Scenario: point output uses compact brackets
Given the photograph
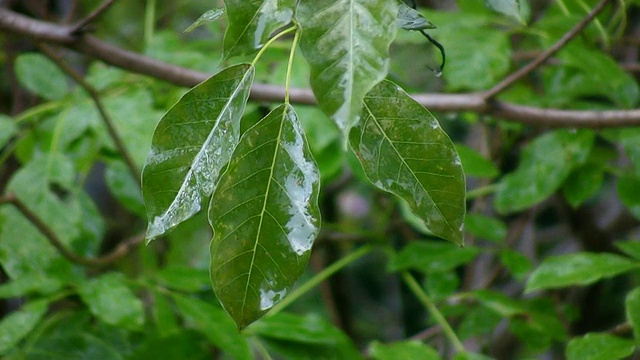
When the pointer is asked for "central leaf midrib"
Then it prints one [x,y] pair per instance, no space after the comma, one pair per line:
[263,211]
[384,134]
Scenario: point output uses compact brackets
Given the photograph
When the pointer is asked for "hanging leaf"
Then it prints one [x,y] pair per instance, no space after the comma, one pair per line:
[509,8]
[404,151]
[411,19]
[207,17]
[265,217]
[346,43]
[191,145]
[251,23]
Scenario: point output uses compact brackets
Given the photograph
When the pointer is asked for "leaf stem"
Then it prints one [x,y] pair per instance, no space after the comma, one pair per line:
[149,20]
[440,319]
[320,277]
[271,41]
[287,82]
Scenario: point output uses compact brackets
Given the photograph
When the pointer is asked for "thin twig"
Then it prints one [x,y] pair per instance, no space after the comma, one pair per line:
[82,24]
[513,78]
[121,250]
[95,96]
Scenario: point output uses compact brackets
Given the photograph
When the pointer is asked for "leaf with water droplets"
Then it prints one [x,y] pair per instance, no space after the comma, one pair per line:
[265,217]
[346,43]
[191,145]
[404,151]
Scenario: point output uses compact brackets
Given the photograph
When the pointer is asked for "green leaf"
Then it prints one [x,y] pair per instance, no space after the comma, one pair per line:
[409,349]
[110,299]
[215,324]
[29,283]
[475,164]
[545,164]
[8,129]
[207,17]
[517,264]
[124,187]
[177,345]
[629,192]
[485,227]
[346,43]
[631,248]
[404,151]
[41,76]
[478,321]
[632,305]
[441,284]
[164,315]
[265,217]
[73,346]
[583,183]
[411,19]
[184,278]
[432,256]
[595,346]
[15,326]
[510,8]
[251,23]
[191,145]
[577,269]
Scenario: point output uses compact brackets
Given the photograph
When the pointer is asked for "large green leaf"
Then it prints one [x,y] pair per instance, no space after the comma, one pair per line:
[594,346]
[577,269]
[346,43]
[251,23]
[546,163]
[265,217]
[404,151]
[191,145]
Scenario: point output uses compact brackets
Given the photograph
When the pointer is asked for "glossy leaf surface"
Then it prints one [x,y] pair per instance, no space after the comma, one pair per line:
[251,23]
[403,150]
[208,16]
[596,346]
[346,43]
[507,7]
[265,217]
[191,145]
[577,269]
[411,19]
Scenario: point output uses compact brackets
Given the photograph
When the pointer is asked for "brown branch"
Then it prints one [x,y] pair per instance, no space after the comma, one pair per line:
[474,102]
[121,250]
[564,40]
[95,96]
[82,24]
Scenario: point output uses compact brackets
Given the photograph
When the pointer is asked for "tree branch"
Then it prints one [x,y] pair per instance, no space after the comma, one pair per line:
[121,250]
[474,102]
[82,24]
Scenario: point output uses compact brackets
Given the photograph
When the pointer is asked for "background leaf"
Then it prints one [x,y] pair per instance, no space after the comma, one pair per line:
[346,43]
[18,324]
[191,145]
[510,8]
[8,128]
[599,347]
[41,76]
[402,350]
[251,23]
[265,217]
[432,256]
[632,305]
[577,269]
[404,151]
[629,192]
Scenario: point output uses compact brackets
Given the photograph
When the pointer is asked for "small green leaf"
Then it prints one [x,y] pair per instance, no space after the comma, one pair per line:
[404,151]
[29,283]
[191,145]
[432,256]
[265,217]
[632,305]
[631,248]
[73,345]
[110,299]
[409,349]
[215,324]
[629,192]
[485,227]
[596,346]
[164,315]
[475,164]
[41,76]
[251,23]
[177,345]
[411,19]
[582,183]
[517,264]
[15,326]
[478,321]
[545,164]
[124,187]
[184,278]
[510,8]
[346,43]
[8,129]
[207,17]
[577,269]
[441,284]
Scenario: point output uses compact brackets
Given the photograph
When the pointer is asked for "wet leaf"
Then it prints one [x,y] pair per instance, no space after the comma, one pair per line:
[191,145]
[410,349]
[15,326]
[411,19]
[346,43]
[265,217]
[577,269]
[404,151]
[208,16]
[594,346]
[110,299]
[251,23]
